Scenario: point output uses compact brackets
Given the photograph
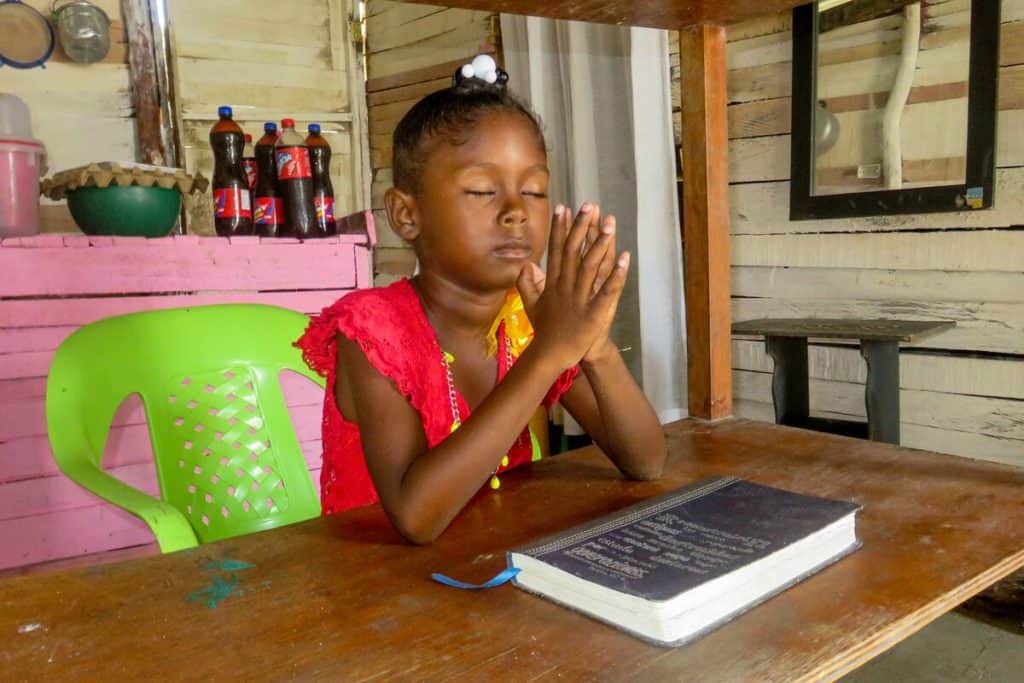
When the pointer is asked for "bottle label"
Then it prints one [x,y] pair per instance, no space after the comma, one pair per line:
[324,209]
[232,202]
[268,211]
[252,172]
[293,163]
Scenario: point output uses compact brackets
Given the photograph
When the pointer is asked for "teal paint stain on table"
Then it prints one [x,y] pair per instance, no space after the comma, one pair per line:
[228,565]
[221,587]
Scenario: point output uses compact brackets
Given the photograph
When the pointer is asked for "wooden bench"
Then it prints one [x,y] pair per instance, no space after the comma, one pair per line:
[786,342]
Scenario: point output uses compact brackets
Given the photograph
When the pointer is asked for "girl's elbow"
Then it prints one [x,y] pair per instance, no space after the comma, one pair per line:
[647,471]
[650,467]
[415,530]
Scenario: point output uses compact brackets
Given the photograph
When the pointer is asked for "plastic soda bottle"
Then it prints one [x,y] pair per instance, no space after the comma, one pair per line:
[232,207]
[295,181]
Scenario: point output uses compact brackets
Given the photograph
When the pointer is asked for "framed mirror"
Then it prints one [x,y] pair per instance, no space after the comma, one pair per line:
[894,107]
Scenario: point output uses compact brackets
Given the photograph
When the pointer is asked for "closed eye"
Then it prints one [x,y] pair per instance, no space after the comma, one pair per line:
[540,195]
[480,193]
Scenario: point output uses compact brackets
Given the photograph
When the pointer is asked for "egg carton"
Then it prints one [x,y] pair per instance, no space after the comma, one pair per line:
[122,174]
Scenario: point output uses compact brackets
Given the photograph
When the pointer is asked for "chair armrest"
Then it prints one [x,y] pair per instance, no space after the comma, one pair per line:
[171,528]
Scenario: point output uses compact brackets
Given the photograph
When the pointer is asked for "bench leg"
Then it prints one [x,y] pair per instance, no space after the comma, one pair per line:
[882,393]
[789,380]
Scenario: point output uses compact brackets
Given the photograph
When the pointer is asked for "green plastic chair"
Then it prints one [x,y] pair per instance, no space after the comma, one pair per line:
[227,459]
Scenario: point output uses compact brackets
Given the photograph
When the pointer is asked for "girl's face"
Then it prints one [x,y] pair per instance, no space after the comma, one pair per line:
[483,209]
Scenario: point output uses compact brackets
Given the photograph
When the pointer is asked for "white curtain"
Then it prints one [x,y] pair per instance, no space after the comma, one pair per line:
[603,94]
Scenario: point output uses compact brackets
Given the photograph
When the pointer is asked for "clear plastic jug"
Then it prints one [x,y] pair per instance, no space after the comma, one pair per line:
[14,118]
[22,162]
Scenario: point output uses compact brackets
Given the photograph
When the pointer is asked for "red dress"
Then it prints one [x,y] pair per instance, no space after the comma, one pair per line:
[391,328]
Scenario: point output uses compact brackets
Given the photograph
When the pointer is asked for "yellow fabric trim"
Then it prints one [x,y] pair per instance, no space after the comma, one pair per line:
[517,326]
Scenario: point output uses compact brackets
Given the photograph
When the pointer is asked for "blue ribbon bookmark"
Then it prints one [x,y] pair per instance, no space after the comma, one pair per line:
[502,578]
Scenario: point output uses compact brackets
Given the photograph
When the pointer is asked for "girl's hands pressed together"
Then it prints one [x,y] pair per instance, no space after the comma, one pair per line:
[572,307]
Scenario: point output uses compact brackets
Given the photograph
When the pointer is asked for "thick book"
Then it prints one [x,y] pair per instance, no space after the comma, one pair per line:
[671,568]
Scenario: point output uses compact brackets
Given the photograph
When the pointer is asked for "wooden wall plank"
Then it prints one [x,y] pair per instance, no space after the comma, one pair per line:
[35,497]
[30,457]
[877,284]
[766,157]
[17,389]
[990,250]
[998,418]
[967,444]
[763,208]
[26,416]
[919,370]
[398,30]
[149,121]
[70,532]
[171,268]
[77,531]
[30,313]
[462,43]
[980,326]
[13,340]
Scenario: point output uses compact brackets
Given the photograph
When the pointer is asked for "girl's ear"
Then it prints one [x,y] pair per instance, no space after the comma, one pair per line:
[402,213]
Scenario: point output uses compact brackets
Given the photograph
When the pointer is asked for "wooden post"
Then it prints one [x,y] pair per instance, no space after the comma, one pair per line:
[705,216]
[145,93]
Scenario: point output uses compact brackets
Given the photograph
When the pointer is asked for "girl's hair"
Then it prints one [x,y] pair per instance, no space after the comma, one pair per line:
[448,115]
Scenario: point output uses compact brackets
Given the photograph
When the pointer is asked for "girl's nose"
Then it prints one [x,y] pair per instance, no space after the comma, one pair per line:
[513,213]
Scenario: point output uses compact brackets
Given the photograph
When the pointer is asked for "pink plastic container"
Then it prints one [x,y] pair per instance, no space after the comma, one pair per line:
[21,164]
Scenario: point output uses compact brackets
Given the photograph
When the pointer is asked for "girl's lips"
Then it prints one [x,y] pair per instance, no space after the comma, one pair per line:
[509,251]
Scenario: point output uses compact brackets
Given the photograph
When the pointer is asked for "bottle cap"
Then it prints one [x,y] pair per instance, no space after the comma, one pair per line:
[224,111]
[248,138]
[287,123]
[269,127]
[314,128]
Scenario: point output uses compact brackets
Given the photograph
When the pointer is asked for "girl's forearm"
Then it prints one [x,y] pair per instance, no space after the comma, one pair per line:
[438,484]
[631,434]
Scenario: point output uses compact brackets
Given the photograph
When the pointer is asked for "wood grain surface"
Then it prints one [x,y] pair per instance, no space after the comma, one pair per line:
[343,598]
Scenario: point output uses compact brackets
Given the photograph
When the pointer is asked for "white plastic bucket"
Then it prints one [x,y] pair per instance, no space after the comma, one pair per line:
[21,165]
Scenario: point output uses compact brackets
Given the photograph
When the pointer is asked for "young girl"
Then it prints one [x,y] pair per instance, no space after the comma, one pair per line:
[431,381]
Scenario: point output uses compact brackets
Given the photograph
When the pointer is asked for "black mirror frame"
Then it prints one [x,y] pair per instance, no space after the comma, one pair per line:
[982,94]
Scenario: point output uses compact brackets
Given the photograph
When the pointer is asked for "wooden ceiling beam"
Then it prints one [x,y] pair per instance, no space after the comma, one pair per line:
[667,15]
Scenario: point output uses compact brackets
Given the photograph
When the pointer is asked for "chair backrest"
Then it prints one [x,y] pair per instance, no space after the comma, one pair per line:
[225,450]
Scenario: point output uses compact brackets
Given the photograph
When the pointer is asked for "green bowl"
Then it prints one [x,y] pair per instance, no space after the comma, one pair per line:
[133,211]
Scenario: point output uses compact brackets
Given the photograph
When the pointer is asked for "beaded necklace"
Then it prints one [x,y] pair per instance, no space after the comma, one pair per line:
[446,360]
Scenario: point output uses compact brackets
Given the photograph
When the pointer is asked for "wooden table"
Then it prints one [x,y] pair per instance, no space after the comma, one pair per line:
[785,340]
[343,598]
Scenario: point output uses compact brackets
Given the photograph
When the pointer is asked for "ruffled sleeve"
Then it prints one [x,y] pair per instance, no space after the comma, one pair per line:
[318,343]
[390,328]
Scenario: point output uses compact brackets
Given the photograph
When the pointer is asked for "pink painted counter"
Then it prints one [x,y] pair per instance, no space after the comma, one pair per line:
[51,284]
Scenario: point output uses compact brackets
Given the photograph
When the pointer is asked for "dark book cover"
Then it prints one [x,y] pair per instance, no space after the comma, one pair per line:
[670,544]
